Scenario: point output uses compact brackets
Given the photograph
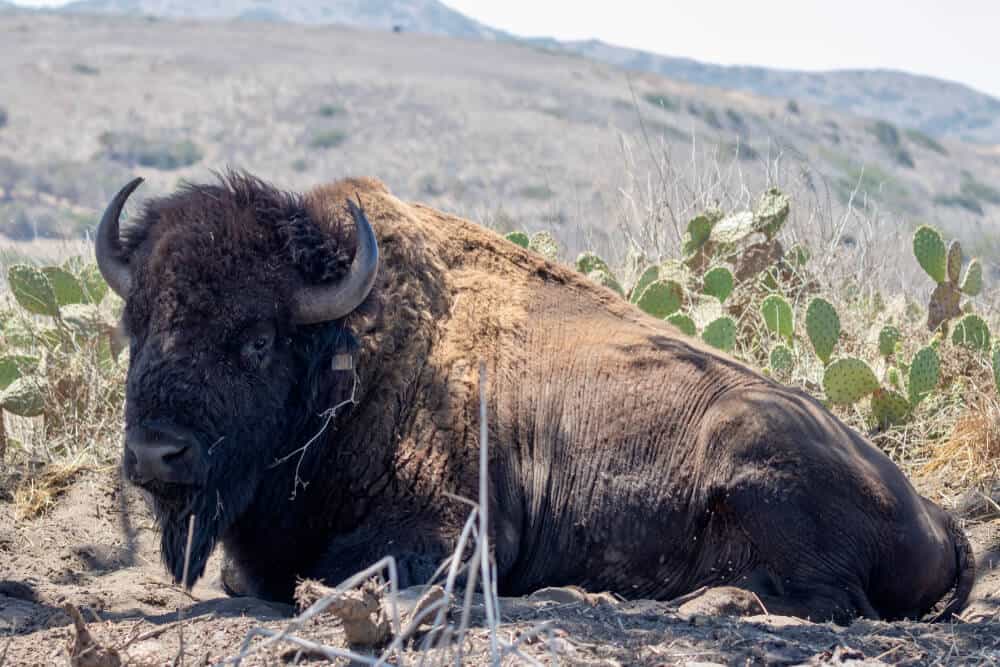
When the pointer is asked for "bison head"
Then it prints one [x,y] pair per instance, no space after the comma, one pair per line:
[234,301]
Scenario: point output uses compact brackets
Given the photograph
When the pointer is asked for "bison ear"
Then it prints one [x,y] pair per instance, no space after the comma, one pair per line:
[320,256]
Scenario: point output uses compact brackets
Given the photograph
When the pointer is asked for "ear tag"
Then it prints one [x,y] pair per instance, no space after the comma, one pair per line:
[342,362]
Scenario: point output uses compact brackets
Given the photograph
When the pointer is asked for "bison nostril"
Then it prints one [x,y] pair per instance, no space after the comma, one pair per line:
[160,453]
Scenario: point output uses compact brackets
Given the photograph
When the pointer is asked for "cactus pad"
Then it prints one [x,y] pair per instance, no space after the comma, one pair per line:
[954,261]
[32,290]
[928,246]
[771,213]
[519,238]
[733,228]
[699,230]
[684,323]
[972,332]
[782,361]
[648,276]
[545,245]
[65,285]
[887,339]
[823,328]
[943,306]
[589,261]
[661,298]
[889,408]
[996,366]
[778,316]
[606,279]
[973,282]
[721,334]
[25,396]
[13,366]
[925,369]
[893,377]
[848,380]
[719,283]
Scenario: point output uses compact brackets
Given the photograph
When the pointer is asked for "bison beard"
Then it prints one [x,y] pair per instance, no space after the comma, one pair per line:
[652,465]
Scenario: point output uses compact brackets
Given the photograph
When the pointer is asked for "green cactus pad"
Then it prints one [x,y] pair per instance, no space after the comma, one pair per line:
[719,283]
[973,282]
[84,320]
[887,339]
[771,213]
[13,366]
[944,305]
[721,334]
[822,327]
[606,279]
[848,380]
[520,238]
[781,360]
[925,370]
[972,332]
[893,377]
[647,277]
[699,230]
[545,245]
[65,285]
[889,408]
[32,290]
[778,316]
[589,261]
[25,396]
[661,298]
[798,255]
[733,228]
[684,323]
[928,246]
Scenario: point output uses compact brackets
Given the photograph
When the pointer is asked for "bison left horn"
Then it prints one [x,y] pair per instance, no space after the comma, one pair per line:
[108,246]
[312,305]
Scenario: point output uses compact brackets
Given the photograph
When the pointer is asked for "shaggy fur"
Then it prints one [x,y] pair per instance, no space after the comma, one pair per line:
[625,456]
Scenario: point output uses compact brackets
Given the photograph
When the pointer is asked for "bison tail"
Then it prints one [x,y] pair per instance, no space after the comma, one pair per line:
[964,578]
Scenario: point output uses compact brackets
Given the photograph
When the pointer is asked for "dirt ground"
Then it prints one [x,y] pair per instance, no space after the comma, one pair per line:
[88,552]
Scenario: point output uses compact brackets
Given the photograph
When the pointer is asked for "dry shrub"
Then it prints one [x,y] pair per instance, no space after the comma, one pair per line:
[36,493]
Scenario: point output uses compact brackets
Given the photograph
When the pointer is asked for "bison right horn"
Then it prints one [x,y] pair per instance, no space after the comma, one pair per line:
[312,305]
[115,270]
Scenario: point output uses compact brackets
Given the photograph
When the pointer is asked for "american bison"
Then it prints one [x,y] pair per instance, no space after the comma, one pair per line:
[624,455]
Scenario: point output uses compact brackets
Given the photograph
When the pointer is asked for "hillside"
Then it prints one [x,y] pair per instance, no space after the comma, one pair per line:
[934,106]
[509,134]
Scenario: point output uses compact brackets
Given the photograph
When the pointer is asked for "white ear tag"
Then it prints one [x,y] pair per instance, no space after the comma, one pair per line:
[342,362]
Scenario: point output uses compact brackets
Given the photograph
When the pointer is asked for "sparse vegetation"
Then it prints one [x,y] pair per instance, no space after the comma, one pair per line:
[926,141]
[540,191]
[330,110]
[166,154]
[3,117]
[662,101]
[889,137]
[85,69]
[327,139]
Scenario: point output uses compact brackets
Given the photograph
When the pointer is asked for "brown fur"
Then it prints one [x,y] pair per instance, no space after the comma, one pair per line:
[624,455]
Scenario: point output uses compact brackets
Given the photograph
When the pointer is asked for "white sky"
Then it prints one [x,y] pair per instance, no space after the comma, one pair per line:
[951,39]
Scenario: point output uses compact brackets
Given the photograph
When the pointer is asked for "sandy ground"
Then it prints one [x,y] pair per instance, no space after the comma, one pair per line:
[88,552]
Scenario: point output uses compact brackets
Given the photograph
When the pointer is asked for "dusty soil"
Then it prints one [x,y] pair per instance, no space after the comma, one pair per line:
[87,551]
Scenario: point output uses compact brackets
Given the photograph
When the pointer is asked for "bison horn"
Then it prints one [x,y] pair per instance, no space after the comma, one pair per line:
[312,305]
[108,247]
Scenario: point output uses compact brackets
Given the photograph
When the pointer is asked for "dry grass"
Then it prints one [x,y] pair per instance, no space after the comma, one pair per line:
[37,492]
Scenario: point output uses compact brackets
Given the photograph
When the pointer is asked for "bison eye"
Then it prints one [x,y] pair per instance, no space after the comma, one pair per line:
[257,344]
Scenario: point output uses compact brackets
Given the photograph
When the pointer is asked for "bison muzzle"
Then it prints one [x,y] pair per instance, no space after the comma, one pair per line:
[302,381]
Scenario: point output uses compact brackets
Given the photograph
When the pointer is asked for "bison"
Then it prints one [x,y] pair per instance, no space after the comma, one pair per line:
[303,382]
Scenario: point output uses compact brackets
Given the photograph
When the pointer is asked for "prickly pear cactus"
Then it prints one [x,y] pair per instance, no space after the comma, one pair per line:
[781,360]
[684,323]
[893,377]
[848,380]
[719,283]
[545,245]
[65,285]
[661,298]
[771,213]
[647,277]
[778,316]
[699,230]
[32,290]
[945,304]
[13,366]
[973,282]
[733,228]
[888,337]
[972,332]
[25,396]
[590,261]
[822,327]
[996,366]
[520,238]
[606,279]
[925,370]
[930,251]
[721,334]
[889,408]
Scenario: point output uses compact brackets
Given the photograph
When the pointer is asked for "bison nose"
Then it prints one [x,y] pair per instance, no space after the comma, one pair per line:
[160,453]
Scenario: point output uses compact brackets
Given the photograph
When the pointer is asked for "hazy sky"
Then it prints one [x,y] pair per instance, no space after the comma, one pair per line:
[952,39]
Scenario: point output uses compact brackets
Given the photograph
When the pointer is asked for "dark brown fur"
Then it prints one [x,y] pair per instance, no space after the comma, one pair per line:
[624,456]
